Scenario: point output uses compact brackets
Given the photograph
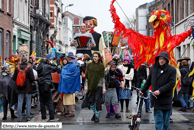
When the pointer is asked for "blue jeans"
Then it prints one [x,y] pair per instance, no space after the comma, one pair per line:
[147,101]
[183,99]
[162,119]
[28,105]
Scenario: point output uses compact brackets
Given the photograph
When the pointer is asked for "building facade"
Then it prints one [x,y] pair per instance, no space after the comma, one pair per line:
[71,24]
[142,19]
[56,28]
[39,26]
[6,28]
[21,24]
[181,10]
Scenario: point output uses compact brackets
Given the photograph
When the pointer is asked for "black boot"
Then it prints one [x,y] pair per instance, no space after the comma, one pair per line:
[4,118]
[117,116]
[107,115]
[92,119]
[96,119]
[14,116]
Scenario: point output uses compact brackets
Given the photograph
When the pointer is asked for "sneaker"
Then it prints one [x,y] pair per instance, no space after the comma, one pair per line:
[28,119]
[96,119]
[4,118]
[183,109]
[45,119]
[93,117]
[70,115]
[55,119]
[107,115]
[117,116]
[149,111]
[31,113]
[19,120]
[59,113]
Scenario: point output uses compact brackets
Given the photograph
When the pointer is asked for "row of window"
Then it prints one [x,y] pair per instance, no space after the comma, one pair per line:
[186,8]
[23,10]
[7,42]
[8,4]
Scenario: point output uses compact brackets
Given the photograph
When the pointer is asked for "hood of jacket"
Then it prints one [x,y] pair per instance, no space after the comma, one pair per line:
[162,54]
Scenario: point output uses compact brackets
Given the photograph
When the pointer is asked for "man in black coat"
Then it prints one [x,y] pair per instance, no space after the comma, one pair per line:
[45,84]
[162,77]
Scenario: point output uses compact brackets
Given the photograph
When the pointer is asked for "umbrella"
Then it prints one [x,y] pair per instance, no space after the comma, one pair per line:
[52,56]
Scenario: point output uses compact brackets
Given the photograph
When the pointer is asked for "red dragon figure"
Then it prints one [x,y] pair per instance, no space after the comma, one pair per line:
[145,49]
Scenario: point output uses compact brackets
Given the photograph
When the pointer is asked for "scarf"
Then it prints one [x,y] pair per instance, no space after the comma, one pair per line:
[128,71]
[94,73]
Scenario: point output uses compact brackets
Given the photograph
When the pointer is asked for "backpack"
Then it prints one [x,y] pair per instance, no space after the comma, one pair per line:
[187,80]
[21,77]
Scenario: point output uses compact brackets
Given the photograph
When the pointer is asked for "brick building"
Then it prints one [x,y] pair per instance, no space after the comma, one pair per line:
[6,28]
[77,20]
[56,28]
[181,10]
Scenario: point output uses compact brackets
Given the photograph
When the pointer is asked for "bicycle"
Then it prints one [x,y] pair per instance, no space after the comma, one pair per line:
[136,119]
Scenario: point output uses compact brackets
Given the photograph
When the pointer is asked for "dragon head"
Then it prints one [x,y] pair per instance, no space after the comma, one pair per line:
[159,18]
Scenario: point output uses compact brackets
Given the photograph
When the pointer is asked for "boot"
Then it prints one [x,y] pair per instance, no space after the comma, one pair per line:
[93,117]
[96,119]
[107,115]
[121,109]
[127,110]
[117,116]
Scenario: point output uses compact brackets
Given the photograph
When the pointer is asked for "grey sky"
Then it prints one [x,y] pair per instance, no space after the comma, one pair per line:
[100,10]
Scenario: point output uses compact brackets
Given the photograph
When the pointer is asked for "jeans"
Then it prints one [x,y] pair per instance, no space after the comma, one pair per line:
[28,105]
[162,119]
[147,101]
[183,99]
[46,99]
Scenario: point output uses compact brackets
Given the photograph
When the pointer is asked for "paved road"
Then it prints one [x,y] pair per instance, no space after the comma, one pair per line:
[181,120]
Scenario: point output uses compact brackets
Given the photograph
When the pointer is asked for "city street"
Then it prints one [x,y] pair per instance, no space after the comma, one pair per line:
[181,120]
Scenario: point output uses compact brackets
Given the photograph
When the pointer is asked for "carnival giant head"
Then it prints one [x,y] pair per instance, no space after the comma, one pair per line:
[90,22]
[159,18]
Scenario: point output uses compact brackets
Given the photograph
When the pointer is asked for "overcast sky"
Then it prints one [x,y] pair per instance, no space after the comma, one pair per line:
[100,10]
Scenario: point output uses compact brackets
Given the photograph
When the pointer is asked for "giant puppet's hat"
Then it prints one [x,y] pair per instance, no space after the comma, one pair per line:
[90,18]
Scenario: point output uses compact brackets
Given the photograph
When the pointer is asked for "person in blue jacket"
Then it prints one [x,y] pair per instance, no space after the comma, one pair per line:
[69,83]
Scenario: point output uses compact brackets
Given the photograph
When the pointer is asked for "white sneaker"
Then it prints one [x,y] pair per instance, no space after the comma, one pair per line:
[55,119]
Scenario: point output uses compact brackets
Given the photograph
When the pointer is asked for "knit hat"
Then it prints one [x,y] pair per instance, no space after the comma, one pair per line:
[127,59]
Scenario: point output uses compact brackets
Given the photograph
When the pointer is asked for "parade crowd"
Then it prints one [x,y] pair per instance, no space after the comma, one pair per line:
[110,85]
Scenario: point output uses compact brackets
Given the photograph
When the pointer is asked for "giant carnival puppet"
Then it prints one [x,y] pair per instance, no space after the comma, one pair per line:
[91,23]
[83,41]
[145,49]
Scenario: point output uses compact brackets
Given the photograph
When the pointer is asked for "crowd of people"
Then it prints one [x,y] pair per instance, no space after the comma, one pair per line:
[99,83]
[113,84]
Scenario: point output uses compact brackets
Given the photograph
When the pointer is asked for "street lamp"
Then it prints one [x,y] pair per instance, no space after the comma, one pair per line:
[68,6]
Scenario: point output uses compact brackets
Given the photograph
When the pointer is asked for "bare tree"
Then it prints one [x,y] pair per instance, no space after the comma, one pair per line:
[130,23]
